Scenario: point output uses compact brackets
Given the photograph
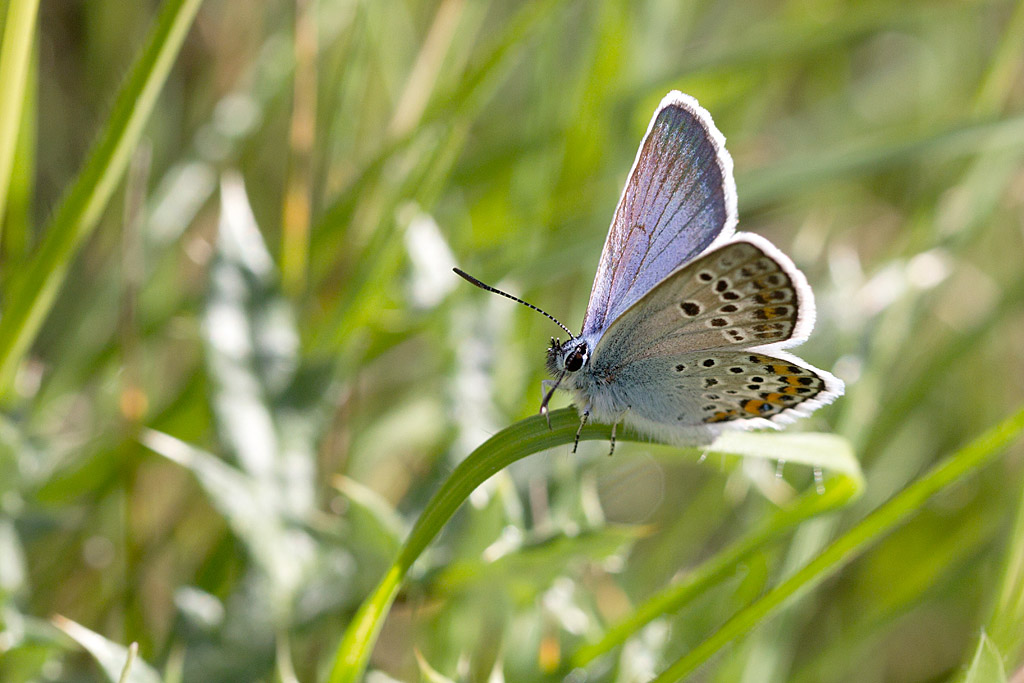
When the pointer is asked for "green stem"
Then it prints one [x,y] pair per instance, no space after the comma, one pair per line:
[838,491]
[1003,627]
[15,53]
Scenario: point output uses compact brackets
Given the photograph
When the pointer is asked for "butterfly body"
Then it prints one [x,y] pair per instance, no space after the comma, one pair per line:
[687,320]
[613,395]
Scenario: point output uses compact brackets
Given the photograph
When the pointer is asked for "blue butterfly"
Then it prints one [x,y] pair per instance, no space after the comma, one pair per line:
[687,320]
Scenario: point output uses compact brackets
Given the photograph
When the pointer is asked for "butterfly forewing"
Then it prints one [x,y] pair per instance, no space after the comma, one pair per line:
[680,197]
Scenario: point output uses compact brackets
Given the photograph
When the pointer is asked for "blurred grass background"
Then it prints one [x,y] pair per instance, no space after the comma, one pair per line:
[259,366]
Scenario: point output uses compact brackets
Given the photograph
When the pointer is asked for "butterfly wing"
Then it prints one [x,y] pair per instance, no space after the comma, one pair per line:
[679,198]
[703,345]
[678,397]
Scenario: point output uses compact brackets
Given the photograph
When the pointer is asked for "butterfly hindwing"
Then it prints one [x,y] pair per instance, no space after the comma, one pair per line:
[679,198]
[708,390]
[749,386]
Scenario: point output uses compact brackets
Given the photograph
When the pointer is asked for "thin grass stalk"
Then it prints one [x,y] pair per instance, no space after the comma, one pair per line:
[1003,627]
[15,59]
[838,492]
[302,138]
[853,543]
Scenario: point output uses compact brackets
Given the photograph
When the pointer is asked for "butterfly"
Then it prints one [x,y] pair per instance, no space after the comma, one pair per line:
[687,323]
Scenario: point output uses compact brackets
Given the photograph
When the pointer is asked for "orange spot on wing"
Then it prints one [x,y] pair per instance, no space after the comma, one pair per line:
[753,406]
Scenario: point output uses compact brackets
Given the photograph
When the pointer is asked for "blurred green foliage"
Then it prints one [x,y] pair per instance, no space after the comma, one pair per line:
[257,367]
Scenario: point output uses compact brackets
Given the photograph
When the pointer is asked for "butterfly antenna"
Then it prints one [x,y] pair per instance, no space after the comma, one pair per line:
[472,280]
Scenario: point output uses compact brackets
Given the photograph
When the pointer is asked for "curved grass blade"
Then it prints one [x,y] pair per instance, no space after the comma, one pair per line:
[34,289]
[511,444]
[846,548]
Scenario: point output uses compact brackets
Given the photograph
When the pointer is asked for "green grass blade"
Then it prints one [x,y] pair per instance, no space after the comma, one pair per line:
[838,492]
[34,290]
[821,450]
[133,652]
[849,546]
[13,564]
[16,216]
[15,58]
[511,444]
[987,664]
[1004,625]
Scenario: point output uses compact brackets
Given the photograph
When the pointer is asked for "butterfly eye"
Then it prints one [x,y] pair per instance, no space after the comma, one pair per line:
[575,360]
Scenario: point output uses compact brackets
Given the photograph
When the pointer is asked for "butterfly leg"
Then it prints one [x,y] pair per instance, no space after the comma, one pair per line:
[615,425]
[547,388]
[583,421]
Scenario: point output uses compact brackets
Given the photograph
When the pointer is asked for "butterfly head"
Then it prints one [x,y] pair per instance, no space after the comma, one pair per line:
[568,357]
